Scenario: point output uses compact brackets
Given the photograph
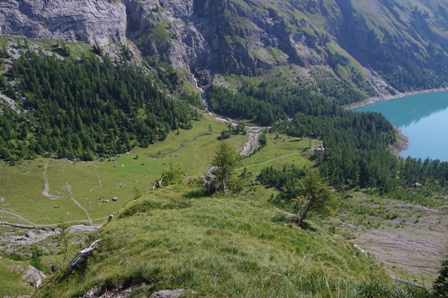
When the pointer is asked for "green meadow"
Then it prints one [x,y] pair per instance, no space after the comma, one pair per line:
[280,150]
[78,189]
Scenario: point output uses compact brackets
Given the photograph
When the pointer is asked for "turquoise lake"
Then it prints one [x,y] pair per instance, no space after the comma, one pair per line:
[423,118]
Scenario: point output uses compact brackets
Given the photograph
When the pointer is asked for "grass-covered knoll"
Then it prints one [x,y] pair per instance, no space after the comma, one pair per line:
[280,150]
[221,247]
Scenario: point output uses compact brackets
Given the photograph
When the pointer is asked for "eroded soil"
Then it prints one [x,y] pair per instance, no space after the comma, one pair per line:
[408,240]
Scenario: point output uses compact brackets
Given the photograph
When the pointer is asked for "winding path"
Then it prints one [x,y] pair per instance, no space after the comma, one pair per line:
[16,215]
[99,181]
[39,226]
[69,190]
[181,145]
[47,186]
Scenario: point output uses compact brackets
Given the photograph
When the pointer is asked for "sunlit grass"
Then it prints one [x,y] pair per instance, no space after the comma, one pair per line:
[280,150]
[90,183]
[219,247]
[11,273]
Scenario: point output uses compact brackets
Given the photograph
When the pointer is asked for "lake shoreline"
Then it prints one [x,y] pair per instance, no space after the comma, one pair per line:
[372,100]
[401,144]
[402,141]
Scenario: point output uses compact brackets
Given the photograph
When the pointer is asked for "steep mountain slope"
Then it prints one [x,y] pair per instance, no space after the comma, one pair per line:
[85,20]
[403,43]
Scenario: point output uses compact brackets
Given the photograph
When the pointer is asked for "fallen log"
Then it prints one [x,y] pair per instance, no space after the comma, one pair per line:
[81,256]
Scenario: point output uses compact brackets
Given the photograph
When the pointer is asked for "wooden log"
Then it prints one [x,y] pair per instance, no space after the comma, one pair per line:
[81,256]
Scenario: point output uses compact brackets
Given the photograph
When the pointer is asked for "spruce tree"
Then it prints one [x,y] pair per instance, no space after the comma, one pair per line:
[224,162]
[440,286]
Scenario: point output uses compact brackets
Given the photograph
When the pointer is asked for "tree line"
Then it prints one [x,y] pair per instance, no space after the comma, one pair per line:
[84,107]
[266,105]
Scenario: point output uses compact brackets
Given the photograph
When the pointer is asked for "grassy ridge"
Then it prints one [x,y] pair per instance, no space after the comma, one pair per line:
[218,247]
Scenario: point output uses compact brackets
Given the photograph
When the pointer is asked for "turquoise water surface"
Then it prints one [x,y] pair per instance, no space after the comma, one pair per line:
[423,118]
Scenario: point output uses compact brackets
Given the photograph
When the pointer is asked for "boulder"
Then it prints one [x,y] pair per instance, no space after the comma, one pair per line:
[33,277]
[30,235]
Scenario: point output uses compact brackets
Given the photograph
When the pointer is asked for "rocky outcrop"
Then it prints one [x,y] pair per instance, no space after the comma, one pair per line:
[90,21]
[33,277]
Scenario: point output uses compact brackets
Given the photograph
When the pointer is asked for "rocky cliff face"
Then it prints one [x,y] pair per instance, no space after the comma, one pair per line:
[90,21]
[241,37]
[200,36]
[168,31]
[249,37]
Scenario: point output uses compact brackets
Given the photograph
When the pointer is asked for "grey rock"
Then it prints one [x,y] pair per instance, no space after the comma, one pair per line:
[31,235]
[33,276]
[167,293]
[89,21]
[191,42]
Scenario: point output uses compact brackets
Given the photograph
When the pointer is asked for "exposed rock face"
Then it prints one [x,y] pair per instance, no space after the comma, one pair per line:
[180,42]
[219,36]
[252,36]
[188,34]
[89,21]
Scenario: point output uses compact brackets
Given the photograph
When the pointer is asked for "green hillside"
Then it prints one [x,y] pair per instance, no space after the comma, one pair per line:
[222,247]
